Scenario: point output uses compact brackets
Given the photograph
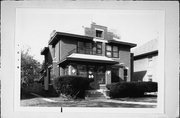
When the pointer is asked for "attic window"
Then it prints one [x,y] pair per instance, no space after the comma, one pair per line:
[99,33]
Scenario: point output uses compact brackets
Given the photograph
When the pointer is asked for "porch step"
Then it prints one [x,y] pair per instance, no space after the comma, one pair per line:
[95,94]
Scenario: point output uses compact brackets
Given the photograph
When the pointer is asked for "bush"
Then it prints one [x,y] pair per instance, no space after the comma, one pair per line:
[131,89]
[73,86]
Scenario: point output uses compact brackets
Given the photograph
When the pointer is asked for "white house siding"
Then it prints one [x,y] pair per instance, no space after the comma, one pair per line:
[142,68]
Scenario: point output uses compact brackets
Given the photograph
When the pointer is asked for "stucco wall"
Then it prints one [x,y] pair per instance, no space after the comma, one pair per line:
[66,45]
[142,69]
[124,57]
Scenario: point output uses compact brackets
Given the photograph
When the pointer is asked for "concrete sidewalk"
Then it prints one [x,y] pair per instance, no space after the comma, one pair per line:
[101,100]
[126,102]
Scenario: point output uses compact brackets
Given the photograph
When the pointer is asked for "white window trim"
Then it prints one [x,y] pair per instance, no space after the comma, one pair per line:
[99,40]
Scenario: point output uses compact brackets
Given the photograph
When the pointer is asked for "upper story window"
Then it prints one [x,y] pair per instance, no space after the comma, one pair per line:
[108,51]
[99,33]
[112,51]
[115,52]
[84,47]
[99,48]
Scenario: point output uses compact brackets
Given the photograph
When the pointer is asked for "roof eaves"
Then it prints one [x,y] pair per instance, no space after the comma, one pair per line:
[53,40]
[44,50]
[122,43]
[139,56]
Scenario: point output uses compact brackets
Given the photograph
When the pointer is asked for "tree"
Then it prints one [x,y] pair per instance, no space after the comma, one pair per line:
[30,68]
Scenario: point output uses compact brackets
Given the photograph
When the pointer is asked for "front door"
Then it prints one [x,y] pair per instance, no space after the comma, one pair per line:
[92,75]
[97,73]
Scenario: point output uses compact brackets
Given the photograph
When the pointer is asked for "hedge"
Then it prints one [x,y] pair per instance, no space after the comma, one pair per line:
[131,89]
[72,86]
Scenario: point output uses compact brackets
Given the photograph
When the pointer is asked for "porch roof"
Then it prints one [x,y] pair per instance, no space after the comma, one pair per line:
[88,58]
[131,45]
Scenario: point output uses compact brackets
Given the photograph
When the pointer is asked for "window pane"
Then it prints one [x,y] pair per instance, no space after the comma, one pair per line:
[108,54]
[94,50]
[99,45]
[82,70]
[108,47]
[80,47]
[99,33]
[99,48]
[115,54]
[88,45]
[80,44]
[99,51]
[115,48]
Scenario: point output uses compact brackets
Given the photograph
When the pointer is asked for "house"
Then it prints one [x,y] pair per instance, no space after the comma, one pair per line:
[98,54]
[145,61]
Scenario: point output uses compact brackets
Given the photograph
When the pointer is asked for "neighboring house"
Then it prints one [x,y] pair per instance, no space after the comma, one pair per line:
[97,55]
[145,61]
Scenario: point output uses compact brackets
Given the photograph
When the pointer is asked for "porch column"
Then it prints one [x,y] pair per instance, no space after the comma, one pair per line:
[69,70]
[72,70]
[108,75]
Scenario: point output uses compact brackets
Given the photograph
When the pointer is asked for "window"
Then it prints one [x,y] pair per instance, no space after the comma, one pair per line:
[80,47]
[99,48]
[108,51]
[84,48]
[94,48]
[115,52]
[88,47]
[82,70]
[99,33]
[112,51]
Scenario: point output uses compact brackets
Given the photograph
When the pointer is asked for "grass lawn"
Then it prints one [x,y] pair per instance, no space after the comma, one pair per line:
[63,102]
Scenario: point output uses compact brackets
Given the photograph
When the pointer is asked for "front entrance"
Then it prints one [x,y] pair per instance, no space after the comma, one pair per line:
[97,73]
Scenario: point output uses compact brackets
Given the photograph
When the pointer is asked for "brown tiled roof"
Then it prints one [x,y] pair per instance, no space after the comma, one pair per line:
[148,47]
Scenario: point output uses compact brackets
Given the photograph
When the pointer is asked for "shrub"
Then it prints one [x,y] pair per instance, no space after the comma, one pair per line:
[131,89]
[73,86]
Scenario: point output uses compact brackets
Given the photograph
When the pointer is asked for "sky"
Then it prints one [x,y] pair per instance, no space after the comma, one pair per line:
[34,26]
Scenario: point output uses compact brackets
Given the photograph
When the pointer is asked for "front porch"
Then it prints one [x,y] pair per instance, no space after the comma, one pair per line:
[100,73]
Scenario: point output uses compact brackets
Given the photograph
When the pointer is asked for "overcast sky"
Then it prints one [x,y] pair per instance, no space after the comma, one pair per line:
[34,26]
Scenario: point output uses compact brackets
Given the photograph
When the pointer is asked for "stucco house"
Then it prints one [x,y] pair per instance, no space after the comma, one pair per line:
[145,61]
[98,54]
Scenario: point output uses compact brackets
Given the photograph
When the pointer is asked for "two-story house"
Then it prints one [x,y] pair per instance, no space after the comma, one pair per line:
[98,55]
